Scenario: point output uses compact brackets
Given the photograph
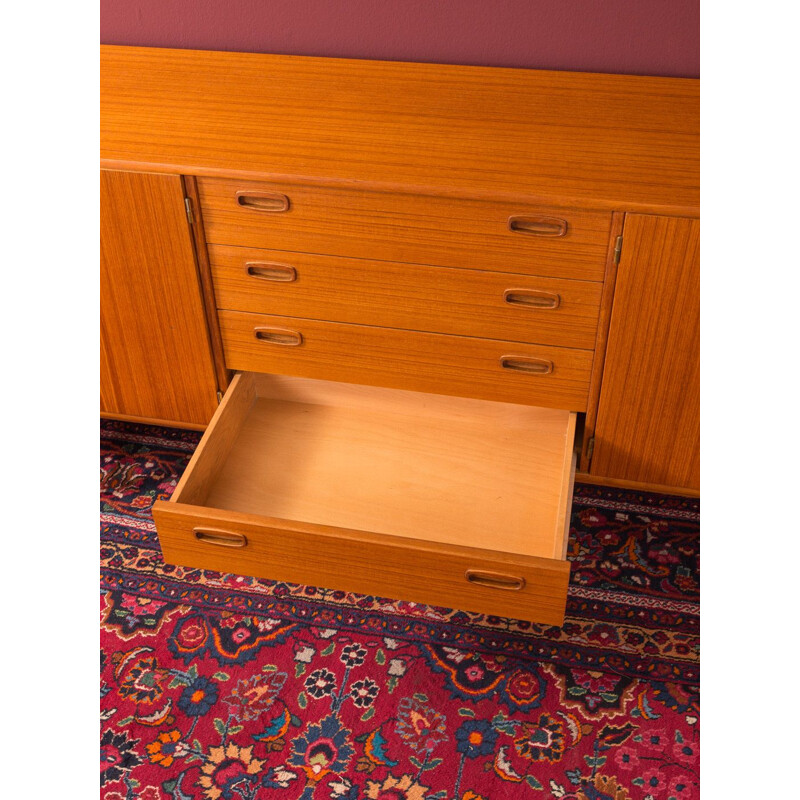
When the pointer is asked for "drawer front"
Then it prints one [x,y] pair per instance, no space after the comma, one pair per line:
[486,369]
[463,302]
[508,585]
[451,232]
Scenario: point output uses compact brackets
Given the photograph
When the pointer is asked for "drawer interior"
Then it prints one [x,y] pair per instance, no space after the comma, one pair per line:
[443,469]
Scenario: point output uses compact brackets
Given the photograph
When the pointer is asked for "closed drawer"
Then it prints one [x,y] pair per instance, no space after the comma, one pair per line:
[451,232]
[464,302]
[447,501]
[489,369]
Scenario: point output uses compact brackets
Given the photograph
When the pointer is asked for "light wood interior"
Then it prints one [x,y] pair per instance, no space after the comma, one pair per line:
[443,469]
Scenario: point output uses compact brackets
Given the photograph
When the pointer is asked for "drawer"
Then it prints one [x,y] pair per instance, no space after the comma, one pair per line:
[488,369]
[422,229]
[447,501]
[465,302]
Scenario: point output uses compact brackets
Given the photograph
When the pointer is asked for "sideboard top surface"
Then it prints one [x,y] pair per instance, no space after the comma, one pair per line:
[607,141]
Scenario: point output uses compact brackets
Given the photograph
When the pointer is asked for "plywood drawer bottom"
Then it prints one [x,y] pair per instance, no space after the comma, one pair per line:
[447,501]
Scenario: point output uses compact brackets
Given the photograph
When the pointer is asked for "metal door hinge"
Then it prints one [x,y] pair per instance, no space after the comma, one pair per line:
[590,449]
[617,249]
[219,396]
[188,203]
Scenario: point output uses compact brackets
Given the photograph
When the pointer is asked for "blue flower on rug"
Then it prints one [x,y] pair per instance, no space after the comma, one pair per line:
[476,737]
[198,697]
[322,749]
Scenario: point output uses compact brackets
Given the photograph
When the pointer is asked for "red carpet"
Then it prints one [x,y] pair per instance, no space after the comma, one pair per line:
[218,686]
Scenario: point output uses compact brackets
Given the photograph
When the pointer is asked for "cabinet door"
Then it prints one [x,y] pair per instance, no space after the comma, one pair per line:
[648,420]
[155,356]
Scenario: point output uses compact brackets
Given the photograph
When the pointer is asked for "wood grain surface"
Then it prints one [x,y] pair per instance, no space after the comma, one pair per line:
[637,486]
[359,561]
[452,232]
[463,302]
[611,141]
[155,356]
[409,490]
[221,435]
[648,421]
[400,359]
[444,469]
[193,426]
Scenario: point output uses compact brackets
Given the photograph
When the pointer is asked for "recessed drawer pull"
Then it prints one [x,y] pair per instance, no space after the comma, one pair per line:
[221,538]
[538,226]
[267,271]
[281,336]
[495,580]
[272,202]
[532,298]
[535,366]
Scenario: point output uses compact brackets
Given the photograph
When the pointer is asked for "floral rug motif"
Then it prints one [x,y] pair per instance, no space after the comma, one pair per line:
[221,686]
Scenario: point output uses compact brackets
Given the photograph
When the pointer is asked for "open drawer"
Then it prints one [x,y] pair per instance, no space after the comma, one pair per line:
[448,501]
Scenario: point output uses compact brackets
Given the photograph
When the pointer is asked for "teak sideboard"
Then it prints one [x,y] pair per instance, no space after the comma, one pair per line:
[406,302]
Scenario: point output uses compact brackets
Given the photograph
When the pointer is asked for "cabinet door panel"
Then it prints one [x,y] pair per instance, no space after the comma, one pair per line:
[648,421]
[155,358]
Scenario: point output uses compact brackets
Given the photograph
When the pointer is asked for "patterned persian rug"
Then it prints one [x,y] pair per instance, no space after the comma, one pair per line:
[221,686]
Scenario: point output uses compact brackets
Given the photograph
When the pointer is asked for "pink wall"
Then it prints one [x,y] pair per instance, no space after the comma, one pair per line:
[643,37]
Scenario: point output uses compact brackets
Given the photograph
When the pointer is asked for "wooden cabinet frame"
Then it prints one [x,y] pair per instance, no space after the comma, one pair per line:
[466,137]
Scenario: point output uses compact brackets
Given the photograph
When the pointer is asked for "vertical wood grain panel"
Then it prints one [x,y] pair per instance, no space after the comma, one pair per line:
[648,422]
[155,357]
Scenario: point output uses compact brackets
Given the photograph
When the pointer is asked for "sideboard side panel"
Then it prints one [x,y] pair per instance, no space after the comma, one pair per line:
[156,360]
[648,423]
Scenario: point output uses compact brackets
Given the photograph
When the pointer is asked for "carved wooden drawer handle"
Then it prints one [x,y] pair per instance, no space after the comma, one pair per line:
[268,271]
[538,226]
[495,580]
[532,298]
[220,538]
[281,336]
[273,202]
[534,366]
